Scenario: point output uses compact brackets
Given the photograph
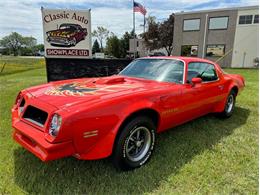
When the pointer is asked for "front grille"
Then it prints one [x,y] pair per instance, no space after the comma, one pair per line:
[35,115]
[58,39]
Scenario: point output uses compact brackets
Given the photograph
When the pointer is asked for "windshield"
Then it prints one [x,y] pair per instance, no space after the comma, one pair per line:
[67,27]
[167,70]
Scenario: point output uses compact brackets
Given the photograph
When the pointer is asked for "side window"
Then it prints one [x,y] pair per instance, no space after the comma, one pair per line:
[205,71]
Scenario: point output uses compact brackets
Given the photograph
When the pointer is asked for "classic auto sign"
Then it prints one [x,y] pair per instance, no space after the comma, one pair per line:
[67,33]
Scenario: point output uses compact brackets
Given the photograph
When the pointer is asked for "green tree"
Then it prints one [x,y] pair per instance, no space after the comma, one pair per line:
[113,46]
[39,47]
[14,42]
[152,34]
[17,44]
[166,34]
[101,34]
[29,46]
[26,51]
[95,47]
[160,35]
[124,44]
[29,42]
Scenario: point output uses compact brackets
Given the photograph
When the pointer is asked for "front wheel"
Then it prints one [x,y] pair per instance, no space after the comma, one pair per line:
[73,42]
[230,105]
[135,144]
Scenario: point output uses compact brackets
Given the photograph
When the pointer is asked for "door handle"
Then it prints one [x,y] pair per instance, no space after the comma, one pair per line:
[164,98]
[221,87]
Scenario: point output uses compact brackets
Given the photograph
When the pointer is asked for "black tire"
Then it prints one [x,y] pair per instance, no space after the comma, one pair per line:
[125,154]
[230,105]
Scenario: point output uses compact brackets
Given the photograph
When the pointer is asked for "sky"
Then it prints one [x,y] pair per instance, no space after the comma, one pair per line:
[24,16]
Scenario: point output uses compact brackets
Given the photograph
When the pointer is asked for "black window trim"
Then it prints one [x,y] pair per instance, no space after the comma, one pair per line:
[218,28]
[190,19]
[203,63]
[252,21]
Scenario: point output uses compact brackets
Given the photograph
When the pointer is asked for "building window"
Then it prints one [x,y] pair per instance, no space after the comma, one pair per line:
[191,25]
[189,50]
[215,50]
[218,23]
[256,19]
[245,19]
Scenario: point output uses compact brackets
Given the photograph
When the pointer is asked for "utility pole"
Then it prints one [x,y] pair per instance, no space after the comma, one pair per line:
[144,23]
[205,34]
[134,29]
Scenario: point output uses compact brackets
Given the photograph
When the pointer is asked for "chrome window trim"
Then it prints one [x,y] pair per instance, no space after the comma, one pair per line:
[176,59]
[209,64]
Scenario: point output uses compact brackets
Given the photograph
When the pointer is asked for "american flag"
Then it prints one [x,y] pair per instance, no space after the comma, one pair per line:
[139,8]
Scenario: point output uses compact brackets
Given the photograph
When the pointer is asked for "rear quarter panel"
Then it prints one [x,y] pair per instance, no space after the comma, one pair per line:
[236,80]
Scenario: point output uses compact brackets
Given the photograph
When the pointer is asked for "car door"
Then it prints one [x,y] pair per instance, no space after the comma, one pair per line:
[200,99]
[171,100]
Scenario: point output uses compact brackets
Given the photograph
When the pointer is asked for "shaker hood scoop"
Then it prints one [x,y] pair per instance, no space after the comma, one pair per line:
[90,90]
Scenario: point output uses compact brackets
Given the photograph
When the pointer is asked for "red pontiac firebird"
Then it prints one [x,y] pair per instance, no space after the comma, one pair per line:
[120,116]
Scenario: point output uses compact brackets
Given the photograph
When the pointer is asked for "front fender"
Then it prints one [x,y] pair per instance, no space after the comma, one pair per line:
[104,146]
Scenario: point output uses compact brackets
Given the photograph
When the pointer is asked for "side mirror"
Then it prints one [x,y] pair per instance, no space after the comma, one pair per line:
[196,80]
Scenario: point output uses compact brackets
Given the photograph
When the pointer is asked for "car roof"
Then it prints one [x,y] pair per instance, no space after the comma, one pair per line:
[183,58]
[70,24]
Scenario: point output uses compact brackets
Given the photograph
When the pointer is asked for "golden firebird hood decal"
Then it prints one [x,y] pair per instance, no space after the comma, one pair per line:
[82,89]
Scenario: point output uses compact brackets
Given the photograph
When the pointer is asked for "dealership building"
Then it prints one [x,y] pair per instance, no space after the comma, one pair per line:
[229,36]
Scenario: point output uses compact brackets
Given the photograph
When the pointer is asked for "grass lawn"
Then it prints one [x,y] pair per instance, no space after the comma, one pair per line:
[205,156]
[11,64]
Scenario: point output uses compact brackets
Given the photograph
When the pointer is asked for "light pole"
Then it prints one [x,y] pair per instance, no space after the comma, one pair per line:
[205,34]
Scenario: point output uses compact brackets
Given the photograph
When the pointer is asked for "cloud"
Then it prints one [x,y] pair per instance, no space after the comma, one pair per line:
[24,17]
[20,17]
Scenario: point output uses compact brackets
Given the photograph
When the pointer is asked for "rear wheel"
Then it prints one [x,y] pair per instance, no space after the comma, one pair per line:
[230,105]
[135,144]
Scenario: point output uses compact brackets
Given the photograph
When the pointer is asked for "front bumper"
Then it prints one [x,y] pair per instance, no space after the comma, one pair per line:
[59,41]
[34,140]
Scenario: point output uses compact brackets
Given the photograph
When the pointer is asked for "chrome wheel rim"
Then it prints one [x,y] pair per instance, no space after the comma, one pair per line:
[73,42]
[230,103]
[138,144]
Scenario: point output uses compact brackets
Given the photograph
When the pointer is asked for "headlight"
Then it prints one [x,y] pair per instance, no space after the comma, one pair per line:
[18,98]
[68,36]
[55,125]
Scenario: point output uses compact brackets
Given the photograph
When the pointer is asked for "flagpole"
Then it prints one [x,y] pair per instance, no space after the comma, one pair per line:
[144,23]
[134,28]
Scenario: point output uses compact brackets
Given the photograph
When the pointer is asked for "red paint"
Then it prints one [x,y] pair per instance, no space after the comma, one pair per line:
[94,108]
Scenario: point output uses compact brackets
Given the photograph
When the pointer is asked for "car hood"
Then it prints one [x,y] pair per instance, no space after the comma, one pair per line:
[71,92]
